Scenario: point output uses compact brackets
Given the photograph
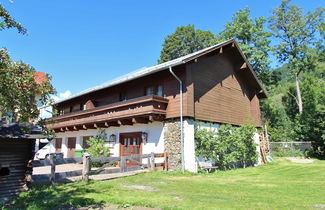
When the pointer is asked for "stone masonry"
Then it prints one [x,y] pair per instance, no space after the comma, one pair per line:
[172,140]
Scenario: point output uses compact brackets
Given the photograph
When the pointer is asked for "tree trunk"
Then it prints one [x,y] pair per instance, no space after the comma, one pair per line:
[298,94]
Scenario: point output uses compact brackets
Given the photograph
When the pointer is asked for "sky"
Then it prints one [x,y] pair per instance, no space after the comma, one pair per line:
[82,43]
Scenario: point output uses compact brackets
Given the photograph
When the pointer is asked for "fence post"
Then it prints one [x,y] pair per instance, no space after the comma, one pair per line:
[123,164]
[152,161]
[86,166]
[165,161]
[52,162]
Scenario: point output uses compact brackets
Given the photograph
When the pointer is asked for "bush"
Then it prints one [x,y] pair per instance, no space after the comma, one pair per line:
[97,145]
[228,147]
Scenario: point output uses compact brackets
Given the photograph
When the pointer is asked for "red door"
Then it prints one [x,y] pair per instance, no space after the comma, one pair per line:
[71,147]
[58,143]
[130,144]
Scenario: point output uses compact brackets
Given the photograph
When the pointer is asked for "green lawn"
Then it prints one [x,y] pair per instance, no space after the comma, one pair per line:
[280,185]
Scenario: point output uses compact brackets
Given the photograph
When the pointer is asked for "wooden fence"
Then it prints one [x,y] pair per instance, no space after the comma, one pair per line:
[87,170]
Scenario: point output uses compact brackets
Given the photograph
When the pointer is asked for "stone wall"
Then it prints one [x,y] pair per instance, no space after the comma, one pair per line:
[172,141]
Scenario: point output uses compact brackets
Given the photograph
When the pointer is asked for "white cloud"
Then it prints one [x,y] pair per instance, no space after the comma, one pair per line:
[61,96]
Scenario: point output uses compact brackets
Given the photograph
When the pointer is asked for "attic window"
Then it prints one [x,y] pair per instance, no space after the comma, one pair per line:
[4,171]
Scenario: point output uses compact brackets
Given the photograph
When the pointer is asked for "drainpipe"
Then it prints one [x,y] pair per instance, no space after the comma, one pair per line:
[181,114]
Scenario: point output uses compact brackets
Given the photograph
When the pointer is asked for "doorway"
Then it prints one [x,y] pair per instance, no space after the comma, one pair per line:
[71,147]
[58,143]
[130,144]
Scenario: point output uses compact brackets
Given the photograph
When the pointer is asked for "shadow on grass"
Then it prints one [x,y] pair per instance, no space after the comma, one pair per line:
[60,196]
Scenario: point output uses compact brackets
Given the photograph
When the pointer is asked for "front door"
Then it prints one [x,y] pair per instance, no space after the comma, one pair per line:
[130,144]
[71,147]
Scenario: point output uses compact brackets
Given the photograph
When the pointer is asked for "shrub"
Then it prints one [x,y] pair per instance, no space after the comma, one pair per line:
[97,145]
[228,147]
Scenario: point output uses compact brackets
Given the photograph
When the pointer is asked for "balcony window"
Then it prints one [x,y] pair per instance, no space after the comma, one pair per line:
[154,90]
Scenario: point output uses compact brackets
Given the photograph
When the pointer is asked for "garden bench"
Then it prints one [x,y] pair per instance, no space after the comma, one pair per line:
[207,166]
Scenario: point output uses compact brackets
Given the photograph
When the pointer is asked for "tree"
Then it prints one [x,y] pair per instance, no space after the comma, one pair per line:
[8,22]
[185,40]
[297,34]
[19,92]
[252,38]
[310,124]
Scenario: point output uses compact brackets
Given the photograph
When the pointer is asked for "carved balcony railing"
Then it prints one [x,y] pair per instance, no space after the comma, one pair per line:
[138,110]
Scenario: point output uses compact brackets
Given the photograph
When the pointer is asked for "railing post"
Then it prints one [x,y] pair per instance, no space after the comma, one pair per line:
[152,161]
[123,164]
[86,166]
[52,162]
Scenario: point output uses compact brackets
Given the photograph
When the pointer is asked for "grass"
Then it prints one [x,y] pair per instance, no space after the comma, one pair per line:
[280,185]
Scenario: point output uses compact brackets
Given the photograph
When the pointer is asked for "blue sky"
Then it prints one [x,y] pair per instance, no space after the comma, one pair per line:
[85,43]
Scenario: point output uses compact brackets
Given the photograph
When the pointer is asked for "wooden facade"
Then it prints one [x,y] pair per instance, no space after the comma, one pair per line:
[15,165]
[218,86]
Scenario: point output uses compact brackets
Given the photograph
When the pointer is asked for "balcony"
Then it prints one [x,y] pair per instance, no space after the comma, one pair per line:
[138,110]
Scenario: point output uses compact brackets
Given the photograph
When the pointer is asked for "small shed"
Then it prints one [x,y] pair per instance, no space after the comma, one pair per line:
[17,143]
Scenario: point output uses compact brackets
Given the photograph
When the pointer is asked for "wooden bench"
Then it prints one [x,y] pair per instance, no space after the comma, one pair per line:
[207,166]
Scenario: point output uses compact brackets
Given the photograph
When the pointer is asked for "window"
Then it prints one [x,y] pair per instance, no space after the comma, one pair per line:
[61,112]
[154,90]
[84,142]
[123,96]
[150,91]
[160,91]
[4,171]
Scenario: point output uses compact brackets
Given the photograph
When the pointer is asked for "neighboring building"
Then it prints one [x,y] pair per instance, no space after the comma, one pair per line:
[16,153]
[17,145]
[219,86]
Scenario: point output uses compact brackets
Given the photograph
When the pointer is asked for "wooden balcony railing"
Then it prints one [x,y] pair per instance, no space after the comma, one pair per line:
[137,110]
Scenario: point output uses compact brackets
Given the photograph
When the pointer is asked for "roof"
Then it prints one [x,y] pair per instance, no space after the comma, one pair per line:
[163,66]
[40,77]
[18,131]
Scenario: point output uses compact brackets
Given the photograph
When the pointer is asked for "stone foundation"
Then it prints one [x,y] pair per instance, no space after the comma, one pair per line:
[172,141]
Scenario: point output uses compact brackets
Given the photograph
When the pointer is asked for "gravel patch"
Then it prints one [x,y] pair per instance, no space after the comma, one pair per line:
[141,187]
[320,206]
[300,160]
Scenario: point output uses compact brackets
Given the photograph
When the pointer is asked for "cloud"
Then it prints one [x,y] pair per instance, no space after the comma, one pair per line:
[63,95]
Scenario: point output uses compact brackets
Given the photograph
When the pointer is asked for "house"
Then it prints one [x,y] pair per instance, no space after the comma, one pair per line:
[16,154]
[141,111]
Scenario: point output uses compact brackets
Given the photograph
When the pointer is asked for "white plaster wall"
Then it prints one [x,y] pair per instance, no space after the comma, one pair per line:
[189,146]
[154,144]
[258,151]
[64,147]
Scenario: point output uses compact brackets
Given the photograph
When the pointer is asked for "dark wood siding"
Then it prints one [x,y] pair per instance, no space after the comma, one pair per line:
[15,155]
[220,94]
[215,89]
[136,88]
